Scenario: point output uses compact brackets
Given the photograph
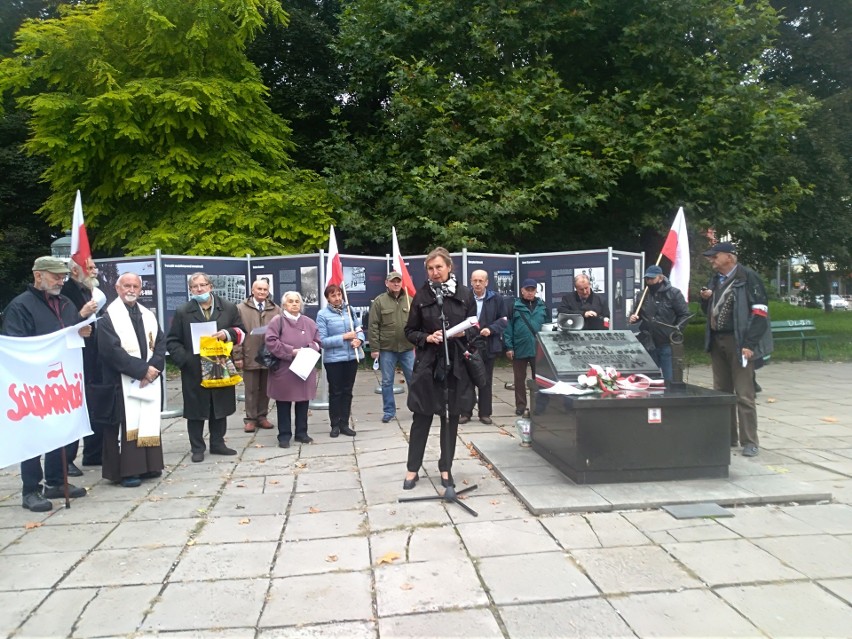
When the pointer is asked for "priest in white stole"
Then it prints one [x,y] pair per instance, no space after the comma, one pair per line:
[132,353]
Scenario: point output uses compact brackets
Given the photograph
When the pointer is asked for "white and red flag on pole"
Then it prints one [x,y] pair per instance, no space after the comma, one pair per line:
[333,266]
[399,265]
[81,252]
[676,249]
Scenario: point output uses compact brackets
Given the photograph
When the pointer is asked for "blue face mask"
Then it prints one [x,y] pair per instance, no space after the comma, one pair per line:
[203,297]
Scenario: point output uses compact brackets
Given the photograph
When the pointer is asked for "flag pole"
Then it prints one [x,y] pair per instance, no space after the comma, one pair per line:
[351,320]
[645,292]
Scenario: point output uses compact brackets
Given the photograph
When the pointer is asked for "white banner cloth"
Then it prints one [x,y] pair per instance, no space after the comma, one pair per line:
[42,399]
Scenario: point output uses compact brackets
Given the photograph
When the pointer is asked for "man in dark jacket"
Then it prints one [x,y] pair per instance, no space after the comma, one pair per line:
[584,301]
[737,335]
[661,312]
[491,313]
[529,313]
[201,404]
[78,288]
[40,310]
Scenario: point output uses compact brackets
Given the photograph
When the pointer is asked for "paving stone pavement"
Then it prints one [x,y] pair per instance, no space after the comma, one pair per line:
[311,541]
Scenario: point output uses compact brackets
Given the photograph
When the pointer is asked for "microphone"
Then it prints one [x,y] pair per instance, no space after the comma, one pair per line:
[439,292]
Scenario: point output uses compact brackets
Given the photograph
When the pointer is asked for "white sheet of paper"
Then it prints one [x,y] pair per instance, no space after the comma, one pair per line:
[462,326]
[199,330]
[99,297]
[564,388]
[149,393]
[260,330]
[304,362]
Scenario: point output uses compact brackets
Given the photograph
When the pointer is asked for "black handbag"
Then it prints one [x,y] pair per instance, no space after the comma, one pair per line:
[475,364]
[267,359]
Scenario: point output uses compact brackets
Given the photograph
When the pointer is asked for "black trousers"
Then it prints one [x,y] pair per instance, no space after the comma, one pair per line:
[420,426]
[284,429]
[195,428]
[341,380]
[31,473]
[484,393]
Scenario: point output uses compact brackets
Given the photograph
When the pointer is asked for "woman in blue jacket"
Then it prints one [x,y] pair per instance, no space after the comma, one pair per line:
[341,341]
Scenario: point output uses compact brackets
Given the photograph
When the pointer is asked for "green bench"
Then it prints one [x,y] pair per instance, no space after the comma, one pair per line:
[797,330]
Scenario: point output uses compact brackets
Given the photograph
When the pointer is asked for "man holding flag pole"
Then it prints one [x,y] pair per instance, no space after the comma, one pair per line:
[667,308]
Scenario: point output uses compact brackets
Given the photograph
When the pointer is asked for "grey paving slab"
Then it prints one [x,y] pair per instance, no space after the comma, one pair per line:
[225,561]
[324,598]
[247,505]
[571,531]
[99,617]
[428,544]
[37,540]
[325,524]
[816,556]
[534,577]
[840,587]
[243,529]
[194,487]
[770,521]
[594,617]
[56,616]
[477,622]
[36,571]
[343,554]
[505,537]
[612,529]
[406,515]
[16,606]
[122,567]
[327,500]
[309,481]
[209,606]
[835,519]
[734,561]
[689,613]
[791,610]
[633,569]
[427,587]
[341,630]
[150,534]
[179,508]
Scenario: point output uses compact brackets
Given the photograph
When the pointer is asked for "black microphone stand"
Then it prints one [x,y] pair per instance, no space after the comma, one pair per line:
[450,493]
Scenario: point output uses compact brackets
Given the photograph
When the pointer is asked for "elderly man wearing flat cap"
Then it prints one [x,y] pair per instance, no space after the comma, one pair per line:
[664,309]
[737,336]
[41,310]
[528,315]
[388,316]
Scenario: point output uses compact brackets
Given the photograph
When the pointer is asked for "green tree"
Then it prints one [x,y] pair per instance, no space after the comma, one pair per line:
[813,54]
[557,124]
[152,109]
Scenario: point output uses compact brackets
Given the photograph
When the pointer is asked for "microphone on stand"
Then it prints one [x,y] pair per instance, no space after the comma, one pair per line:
[439,292]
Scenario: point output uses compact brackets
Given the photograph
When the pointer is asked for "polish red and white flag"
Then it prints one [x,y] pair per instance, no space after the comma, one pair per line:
[333,266]
[676,249]
[81,252]
[399,265]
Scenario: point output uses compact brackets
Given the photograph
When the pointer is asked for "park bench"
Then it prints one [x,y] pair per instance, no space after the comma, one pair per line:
[797,330]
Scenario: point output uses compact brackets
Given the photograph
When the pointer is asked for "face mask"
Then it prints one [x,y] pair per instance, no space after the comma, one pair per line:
[201,298]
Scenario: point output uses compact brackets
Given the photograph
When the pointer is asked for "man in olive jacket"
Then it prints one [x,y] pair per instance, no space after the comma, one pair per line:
[528,315]
[386,331]
[199,403]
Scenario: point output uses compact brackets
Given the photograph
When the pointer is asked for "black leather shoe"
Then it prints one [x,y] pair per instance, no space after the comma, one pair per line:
[464,419]
[335,431]
[58,492]
[408,484]
[198,456]
[345,430]
[446,483]
[304,439]
[36,503]
[73,471]
[519,411]
[284,444]
[222,450]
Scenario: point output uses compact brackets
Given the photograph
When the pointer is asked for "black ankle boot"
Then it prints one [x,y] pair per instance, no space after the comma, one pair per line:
[345,430]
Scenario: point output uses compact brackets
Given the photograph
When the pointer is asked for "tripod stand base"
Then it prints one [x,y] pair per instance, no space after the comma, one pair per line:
[450,495]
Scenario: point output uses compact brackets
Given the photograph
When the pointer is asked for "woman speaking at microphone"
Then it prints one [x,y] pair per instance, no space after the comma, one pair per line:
[426,395]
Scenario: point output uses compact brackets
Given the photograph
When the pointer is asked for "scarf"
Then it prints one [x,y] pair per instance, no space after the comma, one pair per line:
[448,288]
[721,312]
[290,316]
[141,405]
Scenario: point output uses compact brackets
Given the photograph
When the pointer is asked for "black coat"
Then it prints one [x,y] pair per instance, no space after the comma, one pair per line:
[426,395]
[196,398]
[572,303]
[80,296]
[29,315]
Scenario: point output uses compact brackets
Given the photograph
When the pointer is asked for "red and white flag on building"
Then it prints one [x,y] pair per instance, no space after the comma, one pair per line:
[676,249]
[333,266]
[399,265]
[81,252]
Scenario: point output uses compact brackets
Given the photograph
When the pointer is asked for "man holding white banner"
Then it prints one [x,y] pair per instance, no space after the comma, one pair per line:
[42,379]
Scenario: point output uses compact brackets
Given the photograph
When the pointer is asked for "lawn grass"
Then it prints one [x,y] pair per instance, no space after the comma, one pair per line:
[837,326]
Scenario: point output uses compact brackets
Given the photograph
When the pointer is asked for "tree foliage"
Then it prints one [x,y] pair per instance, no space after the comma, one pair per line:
[152,109]
[554,124]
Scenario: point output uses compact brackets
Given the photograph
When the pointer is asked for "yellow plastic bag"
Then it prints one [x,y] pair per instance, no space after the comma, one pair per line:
[217,368]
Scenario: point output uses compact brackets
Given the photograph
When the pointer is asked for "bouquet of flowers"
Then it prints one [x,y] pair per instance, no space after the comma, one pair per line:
[600,378]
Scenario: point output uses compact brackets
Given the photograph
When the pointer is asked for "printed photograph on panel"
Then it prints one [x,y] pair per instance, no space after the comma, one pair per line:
[596,277]
[268,280]
[355,278]
[230,287]
[504,282]
[309,276]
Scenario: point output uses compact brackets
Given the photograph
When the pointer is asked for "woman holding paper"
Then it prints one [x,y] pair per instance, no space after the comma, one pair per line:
[287,335]
[426,395]
[341,343]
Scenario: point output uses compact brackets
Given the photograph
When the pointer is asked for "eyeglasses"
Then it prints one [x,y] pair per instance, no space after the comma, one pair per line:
[199,285]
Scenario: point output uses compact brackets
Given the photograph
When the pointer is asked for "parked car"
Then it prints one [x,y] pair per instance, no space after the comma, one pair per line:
[838,303]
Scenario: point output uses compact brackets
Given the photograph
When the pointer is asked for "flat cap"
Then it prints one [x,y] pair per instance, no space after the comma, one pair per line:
[50,264]
[393,275]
